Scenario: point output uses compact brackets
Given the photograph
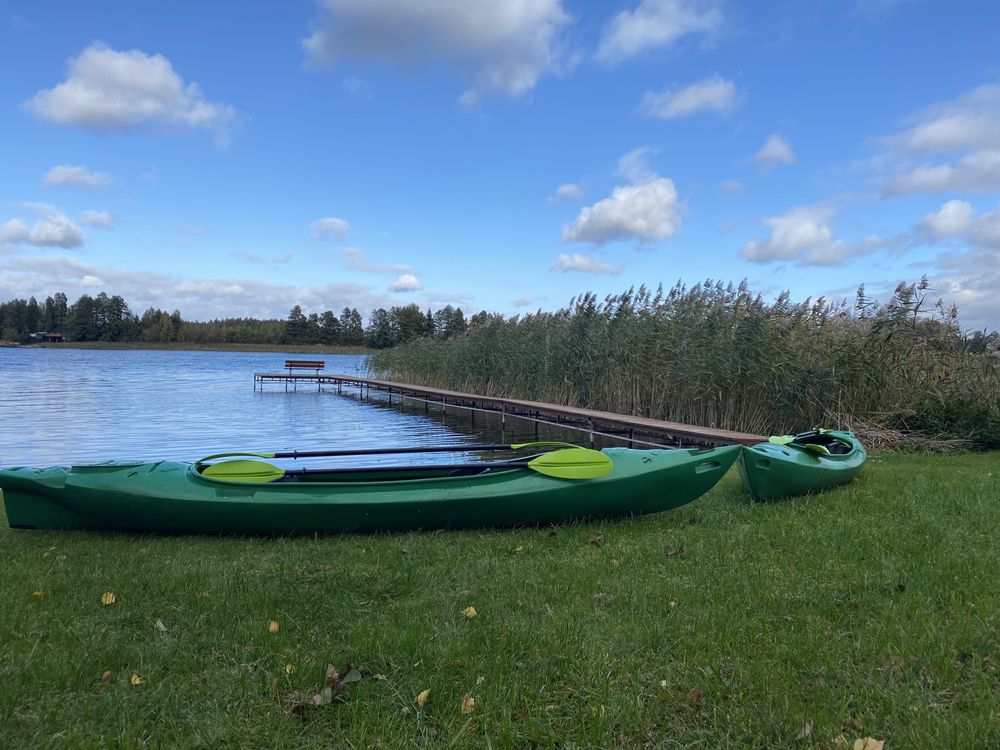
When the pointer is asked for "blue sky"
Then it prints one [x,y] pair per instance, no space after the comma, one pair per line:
[239,158]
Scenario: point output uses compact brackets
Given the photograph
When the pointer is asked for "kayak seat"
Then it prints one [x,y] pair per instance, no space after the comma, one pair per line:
[825,445]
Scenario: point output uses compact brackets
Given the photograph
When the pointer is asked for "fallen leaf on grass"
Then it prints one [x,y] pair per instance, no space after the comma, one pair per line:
[108,597]
[806,731]
[38,595]
[136,679]
[597,541]
[273,626]
[289,668]
[468,704]
[694,697]
[422,697]
[840,742]
[868,743]
[106,675]
[480,680]
[160,626]
[469,612]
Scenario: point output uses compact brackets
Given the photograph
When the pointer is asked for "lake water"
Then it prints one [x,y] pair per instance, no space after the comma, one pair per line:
[60,406]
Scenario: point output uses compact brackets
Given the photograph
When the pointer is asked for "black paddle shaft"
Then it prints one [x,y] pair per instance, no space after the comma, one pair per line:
[418,467]
[388,451]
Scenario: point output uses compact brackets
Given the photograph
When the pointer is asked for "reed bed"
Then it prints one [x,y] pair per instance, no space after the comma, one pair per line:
[719,355]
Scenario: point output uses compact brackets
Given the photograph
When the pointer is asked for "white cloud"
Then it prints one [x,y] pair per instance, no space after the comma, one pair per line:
[258,258]
[567,192]
[356,259]
[65,175]
[965,136]
[654,24]
[958,220]
[711,95]
[647,212]
[52,229]
[407,282]
[801,229]
[634,166]
[100,219]
[524,301]
[111,90]
[734,187]
[330,228]
[500,47]
[776,150]
[968,275]
[583,264]
[804,235]
[197,299]
[972,121]
[975,172]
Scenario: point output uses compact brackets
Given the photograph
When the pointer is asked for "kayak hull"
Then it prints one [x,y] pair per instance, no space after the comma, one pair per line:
[770,471]
[170,496]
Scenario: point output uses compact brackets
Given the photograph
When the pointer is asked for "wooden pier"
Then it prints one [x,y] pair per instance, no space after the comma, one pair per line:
[620,426]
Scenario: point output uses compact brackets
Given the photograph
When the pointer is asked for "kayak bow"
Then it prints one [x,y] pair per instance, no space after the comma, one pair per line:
[789,465]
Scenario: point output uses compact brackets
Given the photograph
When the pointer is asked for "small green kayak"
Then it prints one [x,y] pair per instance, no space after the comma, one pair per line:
[174,496]
[789,465]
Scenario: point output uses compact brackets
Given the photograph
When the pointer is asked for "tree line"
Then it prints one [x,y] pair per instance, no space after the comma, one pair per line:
[109,318]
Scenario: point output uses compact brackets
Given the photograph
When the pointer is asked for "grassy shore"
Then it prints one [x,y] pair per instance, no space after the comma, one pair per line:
[194,347]
[869,611]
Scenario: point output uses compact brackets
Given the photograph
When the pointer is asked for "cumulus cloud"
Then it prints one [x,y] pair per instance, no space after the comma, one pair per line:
[804,235]
[197,299]
[330,228]
[714,94]
[568,191]
[975,172]
[356,259]
[776,150]
[646,212]
[964,135]
[654,24]
[406,282]
[52,229]
[65,175]
[106,89]
[958,220]
[499,47]
[100,219]
[968,273]
[583,264]
[972,121]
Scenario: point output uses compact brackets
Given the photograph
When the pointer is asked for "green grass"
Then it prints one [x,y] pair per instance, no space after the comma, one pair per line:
[873,610]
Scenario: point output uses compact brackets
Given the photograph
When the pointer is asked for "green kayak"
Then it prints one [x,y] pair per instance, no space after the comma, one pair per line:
[174,496]
[789,465]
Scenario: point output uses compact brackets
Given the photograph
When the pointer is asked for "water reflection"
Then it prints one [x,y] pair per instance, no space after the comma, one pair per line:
[77,406]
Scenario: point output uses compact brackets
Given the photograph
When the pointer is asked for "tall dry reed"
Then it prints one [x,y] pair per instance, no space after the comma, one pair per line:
[719,355]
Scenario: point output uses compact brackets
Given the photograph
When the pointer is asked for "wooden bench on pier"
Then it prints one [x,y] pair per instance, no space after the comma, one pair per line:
[304,364]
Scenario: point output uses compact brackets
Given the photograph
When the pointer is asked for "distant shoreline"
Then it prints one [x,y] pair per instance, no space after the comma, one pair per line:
[192,347]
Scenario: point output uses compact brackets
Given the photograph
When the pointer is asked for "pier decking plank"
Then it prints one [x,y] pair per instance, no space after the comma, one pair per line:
[515,407]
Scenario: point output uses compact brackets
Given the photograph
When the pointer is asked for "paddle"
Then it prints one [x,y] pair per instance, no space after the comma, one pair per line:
[569,463]
[388,451]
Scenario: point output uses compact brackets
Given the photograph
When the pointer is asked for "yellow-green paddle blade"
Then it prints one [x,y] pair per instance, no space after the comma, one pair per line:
[573,463]
[243,471]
